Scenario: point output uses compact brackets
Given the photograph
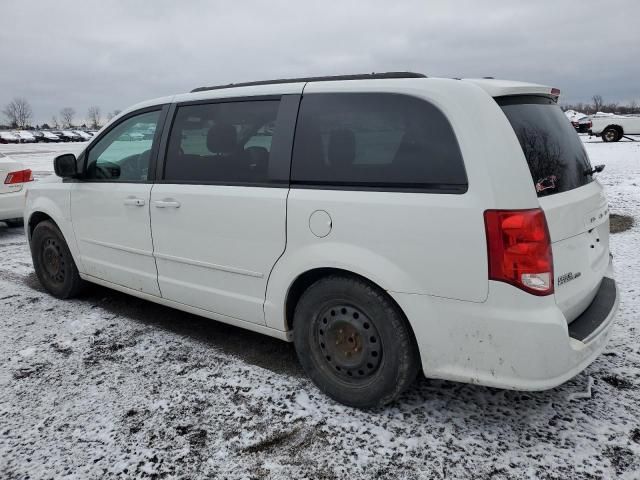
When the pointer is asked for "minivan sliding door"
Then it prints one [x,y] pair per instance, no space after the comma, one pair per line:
[218,213]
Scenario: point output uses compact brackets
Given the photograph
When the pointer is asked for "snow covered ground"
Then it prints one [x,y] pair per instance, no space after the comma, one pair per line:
[112,386]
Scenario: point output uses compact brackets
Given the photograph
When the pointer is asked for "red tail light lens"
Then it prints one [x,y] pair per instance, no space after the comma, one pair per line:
[519,249]
[20,176]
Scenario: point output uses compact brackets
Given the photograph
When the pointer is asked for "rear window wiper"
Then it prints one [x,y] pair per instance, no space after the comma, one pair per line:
[596,169]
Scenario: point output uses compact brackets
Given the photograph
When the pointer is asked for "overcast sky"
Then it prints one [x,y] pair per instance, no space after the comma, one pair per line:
[115,53]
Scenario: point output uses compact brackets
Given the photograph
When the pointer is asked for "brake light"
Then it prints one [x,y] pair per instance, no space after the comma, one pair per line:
[20,176]
[519,249]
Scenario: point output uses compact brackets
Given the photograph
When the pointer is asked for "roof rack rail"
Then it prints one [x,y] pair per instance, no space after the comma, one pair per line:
[361,76]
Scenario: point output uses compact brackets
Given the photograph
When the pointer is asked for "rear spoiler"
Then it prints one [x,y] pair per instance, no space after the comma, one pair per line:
[503,88]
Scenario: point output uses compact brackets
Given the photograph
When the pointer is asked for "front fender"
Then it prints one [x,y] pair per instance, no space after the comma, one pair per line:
[54,200]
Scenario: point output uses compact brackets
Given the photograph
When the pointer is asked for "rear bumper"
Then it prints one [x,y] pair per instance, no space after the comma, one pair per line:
[12,205]
[520,342]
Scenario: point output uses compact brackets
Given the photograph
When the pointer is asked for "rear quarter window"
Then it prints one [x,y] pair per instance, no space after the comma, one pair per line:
[554,152]
[375,141]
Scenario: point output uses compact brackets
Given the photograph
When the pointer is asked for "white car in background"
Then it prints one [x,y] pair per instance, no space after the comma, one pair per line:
[613,127]
[25,136]
[13,177]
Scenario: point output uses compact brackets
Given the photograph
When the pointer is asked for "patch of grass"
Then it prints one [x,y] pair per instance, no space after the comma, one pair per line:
[620,223]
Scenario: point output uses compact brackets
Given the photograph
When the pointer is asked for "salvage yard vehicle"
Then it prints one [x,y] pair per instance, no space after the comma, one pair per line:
[25,136]
[9,137]
[14,177]
[366,218]
[49,137]
[84,136]
[613,127]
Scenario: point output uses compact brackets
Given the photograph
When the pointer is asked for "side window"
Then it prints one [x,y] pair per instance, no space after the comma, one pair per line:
[375,140]
[123,154]
[221,142]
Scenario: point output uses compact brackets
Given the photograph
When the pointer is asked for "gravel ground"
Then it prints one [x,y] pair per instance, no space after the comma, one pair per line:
[109,386]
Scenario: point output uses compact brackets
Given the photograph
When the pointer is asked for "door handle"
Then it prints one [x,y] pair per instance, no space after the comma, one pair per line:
[166,204]
[136,202]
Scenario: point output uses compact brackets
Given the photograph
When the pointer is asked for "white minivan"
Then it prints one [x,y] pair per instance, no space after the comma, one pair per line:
[387,224]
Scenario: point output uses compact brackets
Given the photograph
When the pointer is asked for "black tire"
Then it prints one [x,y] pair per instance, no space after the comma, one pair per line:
[14,222]
[354,342]
[53,262]
[611,134]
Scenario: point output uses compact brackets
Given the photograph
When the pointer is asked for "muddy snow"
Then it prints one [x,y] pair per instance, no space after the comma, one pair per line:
[111,386]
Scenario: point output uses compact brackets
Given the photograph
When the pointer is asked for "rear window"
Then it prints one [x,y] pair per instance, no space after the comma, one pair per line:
[375,141]
[557,159]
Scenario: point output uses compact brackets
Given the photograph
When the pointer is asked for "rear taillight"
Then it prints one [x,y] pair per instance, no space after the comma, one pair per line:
[20,176]
[519,249]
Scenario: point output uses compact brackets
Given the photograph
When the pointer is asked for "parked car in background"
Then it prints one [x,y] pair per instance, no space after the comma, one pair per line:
[365,218]
[49,137]
[13,177]
[582,125]
[38,135]
[9,137]
[83,135]
[25,136]
[67,136]
[611,128]
[74,136]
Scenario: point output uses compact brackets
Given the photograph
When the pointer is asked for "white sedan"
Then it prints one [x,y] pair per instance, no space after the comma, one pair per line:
[13,177]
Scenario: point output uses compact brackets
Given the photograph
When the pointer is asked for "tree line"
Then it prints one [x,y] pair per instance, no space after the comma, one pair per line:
[598,105]
[19,114]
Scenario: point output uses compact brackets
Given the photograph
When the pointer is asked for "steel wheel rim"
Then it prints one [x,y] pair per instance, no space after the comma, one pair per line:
[53,260]
[349,342]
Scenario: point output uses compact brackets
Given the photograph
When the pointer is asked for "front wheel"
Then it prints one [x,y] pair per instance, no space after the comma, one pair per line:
[53,262]
[353,342]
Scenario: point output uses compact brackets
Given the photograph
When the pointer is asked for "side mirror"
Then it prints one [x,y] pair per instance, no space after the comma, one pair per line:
[65,165]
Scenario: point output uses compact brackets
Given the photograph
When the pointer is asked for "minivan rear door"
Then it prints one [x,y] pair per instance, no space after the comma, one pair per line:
[573,201]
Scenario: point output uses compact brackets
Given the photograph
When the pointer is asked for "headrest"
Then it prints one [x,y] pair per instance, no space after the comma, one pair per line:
[222,138]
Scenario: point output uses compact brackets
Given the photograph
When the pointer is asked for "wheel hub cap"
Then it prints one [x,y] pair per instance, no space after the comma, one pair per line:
[52,260]
[349,342]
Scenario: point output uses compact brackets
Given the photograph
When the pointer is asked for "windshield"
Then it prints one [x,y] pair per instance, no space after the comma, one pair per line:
[556,157]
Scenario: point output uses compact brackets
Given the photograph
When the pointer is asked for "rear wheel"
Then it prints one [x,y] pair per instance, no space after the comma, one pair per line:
[53,262]
[353,342]
[611,134]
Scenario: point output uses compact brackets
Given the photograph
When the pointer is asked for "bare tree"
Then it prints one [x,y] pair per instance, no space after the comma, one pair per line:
[66,115]
[110,115]
[18,112]
[597,103]
[93,115]
[633,106]
[54,122]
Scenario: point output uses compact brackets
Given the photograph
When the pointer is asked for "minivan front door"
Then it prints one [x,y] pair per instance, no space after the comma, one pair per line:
[218,215]
[110,205]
